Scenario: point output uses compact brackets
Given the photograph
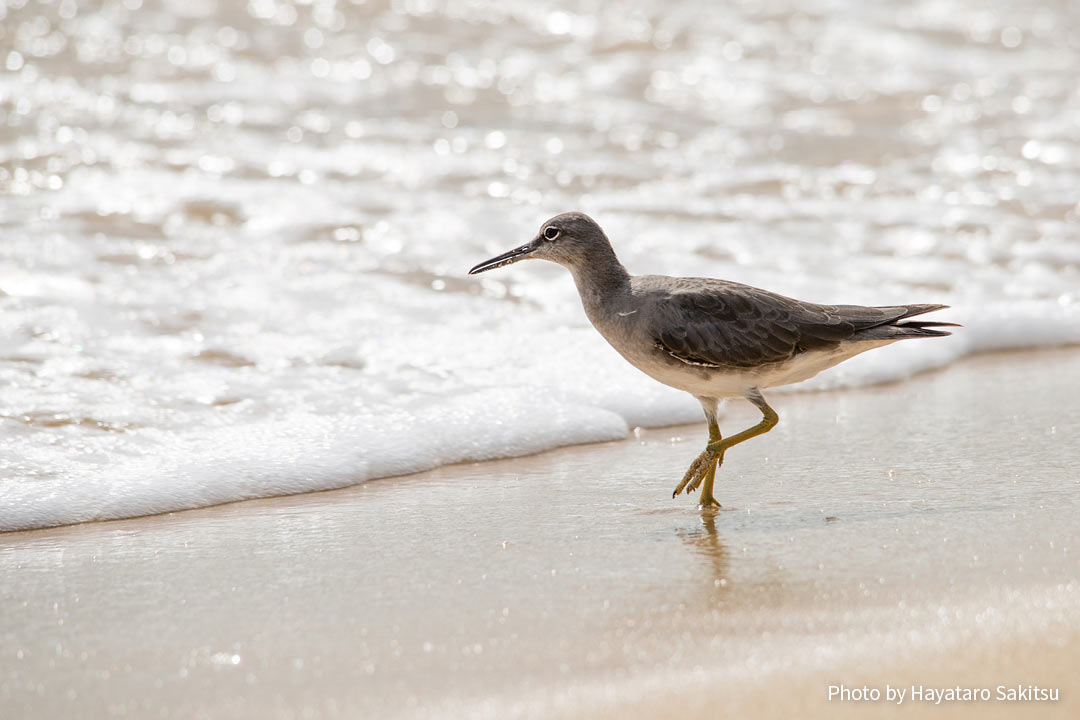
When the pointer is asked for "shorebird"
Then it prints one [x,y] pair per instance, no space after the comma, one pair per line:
[714,339]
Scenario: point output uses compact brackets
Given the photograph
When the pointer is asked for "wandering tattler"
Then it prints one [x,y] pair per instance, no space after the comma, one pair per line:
[712,338]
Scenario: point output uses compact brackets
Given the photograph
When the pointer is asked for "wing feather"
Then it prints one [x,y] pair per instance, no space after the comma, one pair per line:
[714,323]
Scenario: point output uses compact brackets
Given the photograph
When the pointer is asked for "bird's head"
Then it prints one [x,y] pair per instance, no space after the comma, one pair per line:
[570,239]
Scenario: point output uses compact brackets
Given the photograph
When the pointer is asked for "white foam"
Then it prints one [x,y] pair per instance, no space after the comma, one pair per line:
[304,453]
[581,394]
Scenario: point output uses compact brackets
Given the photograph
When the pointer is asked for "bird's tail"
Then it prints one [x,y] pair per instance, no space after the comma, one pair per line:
[924,329]
[920,328]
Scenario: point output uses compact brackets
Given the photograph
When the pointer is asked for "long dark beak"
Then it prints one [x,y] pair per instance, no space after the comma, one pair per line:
[506,258]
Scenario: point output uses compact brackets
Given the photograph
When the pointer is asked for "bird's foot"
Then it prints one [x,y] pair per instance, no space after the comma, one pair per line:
[705,463]
[708,503]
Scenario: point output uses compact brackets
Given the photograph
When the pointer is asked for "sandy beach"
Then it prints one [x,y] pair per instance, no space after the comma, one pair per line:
[920,534]
[247,381]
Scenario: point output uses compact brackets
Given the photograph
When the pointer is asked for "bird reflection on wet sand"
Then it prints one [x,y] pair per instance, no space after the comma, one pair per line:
[705,542]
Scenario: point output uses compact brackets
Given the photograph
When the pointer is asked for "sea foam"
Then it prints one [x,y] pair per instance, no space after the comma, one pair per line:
[592,398]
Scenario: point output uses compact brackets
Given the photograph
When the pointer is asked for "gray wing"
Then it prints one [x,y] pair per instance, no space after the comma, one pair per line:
[714,323]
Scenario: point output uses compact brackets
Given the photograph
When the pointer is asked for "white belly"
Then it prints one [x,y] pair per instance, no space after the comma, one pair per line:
[737,382]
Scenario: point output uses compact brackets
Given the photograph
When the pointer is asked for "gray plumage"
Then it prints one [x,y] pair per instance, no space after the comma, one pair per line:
[712,338]
[717,323]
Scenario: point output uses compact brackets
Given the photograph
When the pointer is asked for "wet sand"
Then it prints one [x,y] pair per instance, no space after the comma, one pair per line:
[922,533]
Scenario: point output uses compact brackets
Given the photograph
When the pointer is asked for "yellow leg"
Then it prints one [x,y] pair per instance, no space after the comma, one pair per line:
[703,470]
[701,465]
[707,499]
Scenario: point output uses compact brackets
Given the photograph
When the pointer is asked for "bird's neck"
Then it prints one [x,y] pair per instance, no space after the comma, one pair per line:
[602,282]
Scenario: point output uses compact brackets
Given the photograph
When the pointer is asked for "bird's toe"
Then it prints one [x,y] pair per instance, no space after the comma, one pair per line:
[696,473]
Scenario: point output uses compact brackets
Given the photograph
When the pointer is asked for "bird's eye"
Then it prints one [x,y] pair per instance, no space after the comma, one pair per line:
[551,233]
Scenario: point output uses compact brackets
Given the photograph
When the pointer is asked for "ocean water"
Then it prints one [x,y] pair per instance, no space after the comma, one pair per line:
[234,237]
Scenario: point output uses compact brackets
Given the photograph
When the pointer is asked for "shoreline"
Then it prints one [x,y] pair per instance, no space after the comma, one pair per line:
[780,393]
[875,536]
